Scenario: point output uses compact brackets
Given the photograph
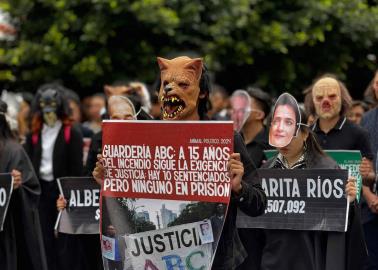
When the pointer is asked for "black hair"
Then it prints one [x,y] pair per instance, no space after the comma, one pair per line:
[216,88]
[364,106]
[262,98]
[136,101]
[205,88]
[5,130]
[72,95]
[313,148]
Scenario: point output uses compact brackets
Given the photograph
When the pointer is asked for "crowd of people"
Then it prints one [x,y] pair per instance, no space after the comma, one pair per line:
[49,138]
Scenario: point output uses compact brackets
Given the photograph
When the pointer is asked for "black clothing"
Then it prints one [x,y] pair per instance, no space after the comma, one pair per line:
[256,152]
[21,244]
[67,156]
[87,132]
[257,146]
[312,250]
[251,200]
[61,253]
[345,135]
[94,149]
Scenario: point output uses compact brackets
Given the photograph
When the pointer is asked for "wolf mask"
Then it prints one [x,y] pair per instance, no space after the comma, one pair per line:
[180,87]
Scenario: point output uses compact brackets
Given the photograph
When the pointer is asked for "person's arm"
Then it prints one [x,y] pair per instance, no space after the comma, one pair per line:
[251,198]
[92,153]
[371,199]
[366,166]
[76,152]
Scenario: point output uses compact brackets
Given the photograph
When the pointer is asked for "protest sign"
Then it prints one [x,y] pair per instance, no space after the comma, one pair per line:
[82,214]
[6,188]
[165,192]
[346,159]
[308,199]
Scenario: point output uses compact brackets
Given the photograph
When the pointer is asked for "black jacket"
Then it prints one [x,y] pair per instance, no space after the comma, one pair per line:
[67,155]
[94,150]
[21,245]
[318,250]
[251,200]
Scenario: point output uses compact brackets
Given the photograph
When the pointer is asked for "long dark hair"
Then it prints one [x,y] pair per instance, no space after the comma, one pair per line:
[5,130]
[313,148]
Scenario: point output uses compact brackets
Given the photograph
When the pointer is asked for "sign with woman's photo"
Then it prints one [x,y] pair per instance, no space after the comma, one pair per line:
[165,193]
[346,159]
[6,188]
[307,199]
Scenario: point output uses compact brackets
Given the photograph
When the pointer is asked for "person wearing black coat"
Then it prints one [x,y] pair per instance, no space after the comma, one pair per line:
[277,249]
[55,147]
[21,243]
[187,80]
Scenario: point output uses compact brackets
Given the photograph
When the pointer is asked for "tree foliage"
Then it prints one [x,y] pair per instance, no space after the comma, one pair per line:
[277,45]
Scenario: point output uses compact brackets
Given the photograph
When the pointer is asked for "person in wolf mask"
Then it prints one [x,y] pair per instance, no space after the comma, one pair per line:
[55,149]
[184,95]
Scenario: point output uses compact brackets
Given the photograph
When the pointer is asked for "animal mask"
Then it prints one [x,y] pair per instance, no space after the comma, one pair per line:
[326,95]
[285,121]
[179,90]
[49,106]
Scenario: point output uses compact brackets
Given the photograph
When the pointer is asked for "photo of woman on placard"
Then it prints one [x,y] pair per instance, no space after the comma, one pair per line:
[300,249]
[284,121]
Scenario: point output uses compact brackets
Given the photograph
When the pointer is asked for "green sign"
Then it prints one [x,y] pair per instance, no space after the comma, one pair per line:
[347,159]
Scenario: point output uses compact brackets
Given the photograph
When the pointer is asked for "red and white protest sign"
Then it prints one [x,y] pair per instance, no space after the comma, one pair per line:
[167,160]
[165,192]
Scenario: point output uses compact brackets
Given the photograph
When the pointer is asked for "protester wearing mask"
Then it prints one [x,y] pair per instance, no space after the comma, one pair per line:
[255,135]
[330,103]
[187,80]
[300,249]
[55,148]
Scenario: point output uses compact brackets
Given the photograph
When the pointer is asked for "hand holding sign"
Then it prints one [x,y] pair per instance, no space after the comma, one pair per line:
[16,179]
[236,170]
[366,170]
[61,203]
[99,171]
[351,189]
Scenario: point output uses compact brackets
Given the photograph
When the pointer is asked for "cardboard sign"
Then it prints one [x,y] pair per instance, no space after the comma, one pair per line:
[308,199]
[346,159]
[82,214]
[165,182]
[6,188]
